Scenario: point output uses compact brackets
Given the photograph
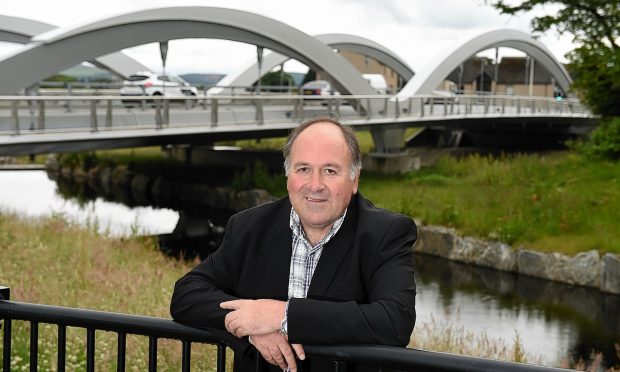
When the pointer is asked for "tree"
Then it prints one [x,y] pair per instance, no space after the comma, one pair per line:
[277,78]
[595,63]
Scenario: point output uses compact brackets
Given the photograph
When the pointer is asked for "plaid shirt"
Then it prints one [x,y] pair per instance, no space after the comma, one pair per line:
[305,257]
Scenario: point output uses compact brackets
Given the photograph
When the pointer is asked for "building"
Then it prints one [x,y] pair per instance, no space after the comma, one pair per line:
[368,65]
[510,77]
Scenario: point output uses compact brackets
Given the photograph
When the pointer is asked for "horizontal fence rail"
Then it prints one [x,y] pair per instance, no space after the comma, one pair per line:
[54,114]
[345,357]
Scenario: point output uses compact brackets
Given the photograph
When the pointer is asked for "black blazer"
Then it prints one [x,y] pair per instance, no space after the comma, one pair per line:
[362,290]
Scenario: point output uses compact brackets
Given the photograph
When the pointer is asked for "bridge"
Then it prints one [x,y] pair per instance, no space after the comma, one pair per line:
[44,124]
[40,124]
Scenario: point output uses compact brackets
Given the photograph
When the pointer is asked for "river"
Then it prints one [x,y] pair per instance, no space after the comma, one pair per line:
[554,321]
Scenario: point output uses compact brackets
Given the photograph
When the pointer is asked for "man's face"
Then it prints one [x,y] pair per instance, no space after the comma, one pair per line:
[319,182]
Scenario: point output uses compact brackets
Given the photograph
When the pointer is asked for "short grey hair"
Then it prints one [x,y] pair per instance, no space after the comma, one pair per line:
[349,136]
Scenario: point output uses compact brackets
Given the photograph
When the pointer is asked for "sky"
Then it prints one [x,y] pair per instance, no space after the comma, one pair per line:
[416,30]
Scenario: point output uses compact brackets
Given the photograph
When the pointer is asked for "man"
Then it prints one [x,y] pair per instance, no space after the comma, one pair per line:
[321,266]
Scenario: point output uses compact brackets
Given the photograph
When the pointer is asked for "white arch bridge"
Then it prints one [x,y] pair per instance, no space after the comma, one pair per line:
[56,124]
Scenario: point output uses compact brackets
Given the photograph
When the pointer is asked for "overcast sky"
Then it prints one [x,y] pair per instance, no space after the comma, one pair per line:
[417,30]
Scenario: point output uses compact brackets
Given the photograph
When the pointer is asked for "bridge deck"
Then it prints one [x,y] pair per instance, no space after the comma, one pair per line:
[31,125]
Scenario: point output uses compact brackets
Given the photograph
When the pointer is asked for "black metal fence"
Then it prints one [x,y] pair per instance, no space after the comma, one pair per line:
[344,357]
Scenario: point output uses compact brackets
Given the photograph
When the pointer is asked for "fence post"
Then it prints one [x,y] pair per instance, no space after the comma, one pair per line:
[69,93]
[397,106]
[5,294]
[221,358]
[158,120]
[108,115]
[93,116]
[15,116]
[301,109]
[41,119]
[259,111]
[166,121]
[214,112]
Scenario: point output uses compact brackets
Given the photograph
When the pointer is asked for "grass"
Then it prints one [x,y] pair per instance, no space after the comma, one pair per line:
[557,202]
[51,261]
[444,336]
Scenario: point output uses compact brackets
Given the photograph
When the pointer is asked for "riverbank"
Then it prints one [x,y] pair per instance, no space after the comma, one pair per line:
[550,216]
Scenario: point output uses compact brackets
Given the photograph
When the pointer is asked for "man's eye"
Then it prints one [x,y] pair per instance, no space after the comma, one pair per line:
[330,171]
[302,170]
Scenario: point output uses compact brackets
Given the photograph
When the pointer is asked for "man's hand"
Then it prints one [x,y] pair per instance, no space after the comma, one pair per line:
[253,317]
[275,349]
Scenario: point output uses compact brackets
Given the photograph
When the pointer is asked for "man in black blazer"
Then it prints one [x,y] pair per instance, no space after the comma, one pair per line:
[320,266]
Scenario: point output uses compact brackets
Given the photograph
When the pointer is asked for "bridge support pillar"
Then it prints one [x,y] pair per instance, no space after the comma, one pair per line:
[390,156]
[388,141]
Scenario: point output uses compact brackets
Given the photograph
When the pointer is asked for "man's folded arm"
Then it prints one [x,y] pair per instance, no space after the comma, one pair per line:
[197,295]
[388,317]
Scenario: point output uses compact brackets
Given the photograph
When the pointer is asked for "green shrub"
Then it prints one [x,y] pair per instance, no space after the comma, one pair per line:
[603,142]
[259,177]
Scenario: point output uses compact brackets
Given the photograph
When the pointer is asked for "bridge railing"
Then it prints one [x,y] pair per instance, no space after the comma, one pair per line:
[45,114]
[344,357]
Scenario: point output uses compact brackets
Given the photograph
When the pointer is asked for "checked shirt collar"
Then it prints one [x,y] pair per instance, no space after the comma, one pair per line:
[305,257]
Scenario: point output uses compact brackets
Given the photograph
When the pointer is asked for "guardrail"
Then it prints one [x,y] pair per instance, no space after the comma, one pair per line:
[81,88]
[345,357]
[92,113]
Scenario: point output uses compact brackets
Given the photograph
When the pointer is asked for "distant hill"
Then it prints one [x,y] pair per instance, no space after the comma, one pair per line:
[202,79]
[89,73]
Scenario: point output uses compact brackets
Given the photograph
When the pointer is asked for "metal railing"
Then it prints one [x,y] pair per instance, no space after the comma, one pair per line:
[85,88]
[43,114]
[344,357]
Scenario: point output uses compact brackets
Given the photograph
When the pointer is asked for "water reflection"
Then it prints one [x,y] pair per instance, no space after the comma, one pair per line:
[557,321]
[554,320]
[33,194]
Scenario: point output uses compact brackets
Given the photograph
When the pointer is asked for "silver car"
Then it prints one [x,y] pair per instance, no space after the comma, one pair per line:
[146,83]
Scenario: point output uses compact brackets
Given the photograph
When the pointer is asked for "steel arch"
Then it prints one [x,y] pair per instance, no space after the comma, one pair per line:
[57,49]
[353,43]
[424,82]
[21,30]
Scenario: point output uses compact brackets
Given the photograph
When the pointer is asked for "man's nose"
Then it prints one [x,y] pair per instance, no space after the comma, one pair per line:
[316,182]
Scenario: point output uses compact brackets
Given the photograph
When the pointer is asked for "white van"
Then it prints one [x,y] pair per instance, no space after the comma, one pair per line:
[377,82]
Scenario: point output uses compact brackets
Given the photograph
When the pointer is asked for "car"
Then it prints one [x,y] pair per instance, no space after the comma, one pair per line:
[441,97]
[146,83]
[317,88]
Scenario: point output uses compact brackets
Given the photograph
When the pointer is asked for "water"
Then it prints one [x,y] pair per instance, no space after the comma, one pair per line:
[554,321]
[33,194]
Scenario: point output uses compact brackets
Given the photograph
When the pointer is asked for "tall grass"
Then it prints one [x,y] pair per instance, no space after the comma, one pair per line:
[558,202]
[51,261]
